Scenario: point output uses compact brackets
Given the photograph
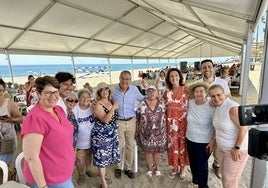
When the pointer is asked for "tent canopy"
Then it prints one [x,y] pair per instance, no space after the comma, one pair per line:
[127,28]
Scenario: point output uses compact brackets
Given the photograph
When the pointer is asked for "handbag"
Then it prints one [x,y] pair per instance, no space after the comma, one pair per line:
[6,144]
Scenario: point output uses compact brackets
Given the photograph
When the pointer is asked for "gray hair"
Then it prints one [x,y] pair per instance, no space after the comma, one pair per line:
[81,91]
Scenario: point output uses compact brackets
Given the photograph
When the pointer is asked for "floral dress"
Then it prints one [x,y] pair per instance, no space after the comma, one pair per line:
[176,127]
[104,140]
[152,127]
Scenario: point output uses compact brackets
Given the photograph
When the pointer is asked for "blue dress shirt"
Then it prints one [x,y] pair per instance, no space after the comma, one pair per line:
[127,101]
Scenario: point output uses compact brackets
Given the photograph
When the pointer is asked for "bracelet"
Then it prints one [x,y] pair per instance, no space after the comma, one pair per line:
[237,147]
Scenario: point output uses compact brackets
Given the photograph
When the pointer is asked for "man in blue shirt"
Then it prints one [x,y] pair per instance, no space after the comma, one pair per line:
[126,95]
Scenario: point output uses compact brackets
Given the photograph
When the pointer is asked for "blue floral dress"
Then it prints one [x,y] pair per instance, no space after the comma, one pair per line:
[105,144]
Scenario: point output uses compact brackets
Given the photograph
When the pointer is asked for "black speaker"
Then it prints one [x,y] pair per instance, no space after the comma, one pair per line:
[258,143]
[183,66]
[197,65]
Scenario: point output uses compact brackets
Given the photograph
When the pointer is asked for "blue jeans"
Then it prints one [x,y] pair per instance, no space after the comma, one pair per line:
[7,157]
[67,184]
[198,158]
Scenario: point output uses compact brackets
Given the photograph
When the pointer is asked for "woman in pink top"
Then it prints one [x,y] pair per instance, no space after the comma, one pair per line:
[47,140]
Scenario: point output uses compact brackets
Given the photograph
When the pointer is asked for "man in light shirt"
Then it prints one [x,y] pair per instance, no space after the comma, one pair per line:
[126,95]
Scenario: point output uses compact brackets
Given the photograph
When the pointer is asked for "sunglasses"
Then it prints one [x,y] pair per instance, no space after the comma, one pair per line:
[72,100]
[104,89]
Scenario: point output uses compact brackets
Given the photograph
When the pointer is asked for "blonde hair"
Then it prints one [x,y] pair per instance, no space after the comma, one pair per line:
[97,93]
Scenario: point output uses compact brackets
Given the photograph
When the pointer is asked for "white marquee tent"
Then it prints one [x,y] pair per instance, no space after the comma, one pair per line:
[128,28]
[136,29]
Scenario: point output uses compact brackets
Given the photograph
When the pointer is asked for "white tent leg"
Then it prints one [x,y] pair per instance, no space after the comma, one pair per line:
[9,65]
[74,73]
[260,167]
[245,67]
[109,65]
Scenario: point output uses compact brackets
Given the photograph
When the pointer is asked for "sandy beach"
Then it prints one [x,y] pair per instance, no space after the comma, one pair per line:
[141,180]
[82,78]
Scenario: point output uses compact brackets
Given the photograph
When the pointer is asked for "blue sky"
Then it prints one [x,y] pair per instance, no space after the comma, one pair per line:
[261,30]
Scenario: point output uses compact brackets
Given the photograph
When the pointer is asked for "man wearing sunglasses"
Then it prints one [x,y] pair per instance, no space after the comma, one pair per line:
[126,95]
[66,81]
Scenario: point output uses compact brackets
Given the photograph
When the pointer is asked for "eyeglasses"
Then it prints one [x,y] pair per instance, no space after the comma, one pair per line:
[151,90]
[2,90]
[104,89]
[72,100]
[50,93]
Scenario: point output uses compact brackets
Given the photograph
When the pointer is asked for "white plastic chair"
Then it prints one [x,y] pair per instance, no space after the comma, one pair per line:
[29,108]
[21,100]
[135,157]
[4,167]
[18,166]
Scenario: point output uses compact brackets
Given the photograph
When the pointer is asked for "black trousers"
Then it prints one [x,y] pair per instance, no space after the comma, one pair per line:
[198,158]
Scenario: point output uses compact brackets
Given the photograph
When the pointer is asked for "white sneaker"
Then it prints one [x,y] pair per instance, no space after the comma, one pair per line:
[149,173]
[192,185]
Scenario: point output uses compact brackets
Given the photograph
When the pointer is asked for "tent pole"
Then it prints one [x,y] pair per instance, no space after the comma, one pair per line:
[10,67]
[259,171]
[147,60]
[109,65]
[246,66]
[242,64]
[132,67]
[74,73]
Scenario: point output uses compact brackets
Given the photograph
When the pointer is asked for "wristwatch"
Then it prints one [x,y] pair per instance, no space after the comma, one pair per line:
[237,147]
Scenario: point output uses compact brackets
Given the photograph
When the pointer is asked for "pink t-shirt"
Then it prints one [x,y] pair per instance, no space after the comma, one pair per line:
[56,153]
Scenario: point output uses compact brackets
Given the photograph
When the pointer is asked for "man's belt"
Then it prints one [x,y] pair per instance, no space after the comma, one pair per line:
[127,119]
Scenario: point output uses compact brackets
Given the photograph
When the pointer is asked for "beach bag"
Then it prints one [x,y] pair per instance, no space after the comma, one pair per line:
[6,145]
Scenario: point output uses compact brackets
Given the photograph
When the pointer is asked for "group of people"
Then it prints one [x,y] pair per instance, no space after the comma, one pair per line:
[64,129]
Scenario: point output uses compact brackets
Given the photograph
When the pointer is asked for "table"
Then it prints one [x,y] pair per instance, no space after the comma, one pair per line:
[13,184]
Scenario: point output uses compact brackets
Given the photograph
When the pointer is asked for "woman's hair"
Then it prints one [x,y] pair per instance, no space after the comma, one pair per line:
[168,83]
[101,85]
[81,91]
[30,76]
[41,82]
[144,75]
[223,71]
[216,86]
[162,72]
[71,95]
[3,83]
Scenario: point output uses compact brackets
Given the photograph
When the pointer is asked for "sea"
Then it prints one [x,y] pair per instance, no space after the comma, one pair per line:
[50,69]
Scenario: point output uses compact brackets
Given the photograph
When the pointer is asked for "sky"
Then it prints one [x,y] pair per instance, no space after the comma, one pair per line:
[261,29]
[34,59]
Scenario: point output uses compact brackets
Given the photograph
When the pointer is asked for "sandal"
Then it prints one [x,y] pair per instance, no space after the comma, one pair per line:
[149,173]
[172,174]
[158,173]
[182,176]
[107,177]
